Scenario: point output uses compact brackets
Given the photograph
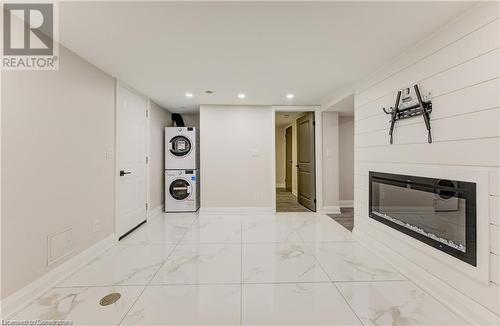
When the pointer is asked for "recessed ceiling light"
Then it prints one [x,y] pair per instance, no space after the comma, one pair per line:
[188,94]
[290,96]
[241,95]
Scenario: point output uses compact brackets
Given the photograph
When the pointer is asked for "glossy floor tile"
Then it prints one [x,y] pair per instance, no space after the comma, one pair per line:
[187,305]
[214,230]
[280,262]
[82,305]
[275,269]
[201,264]
[350,261]
[121,265]
[396,303]
[295,304]
[269,229]
[322,229]
[162,229]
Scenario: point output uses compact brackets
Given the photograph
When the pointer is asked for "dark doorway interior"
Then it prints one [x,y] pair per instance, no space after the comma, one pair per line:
[288,159]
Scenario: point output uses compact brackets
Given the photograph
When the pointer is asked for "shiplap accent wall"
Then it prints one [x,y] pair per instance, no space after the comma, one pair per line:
[459,65]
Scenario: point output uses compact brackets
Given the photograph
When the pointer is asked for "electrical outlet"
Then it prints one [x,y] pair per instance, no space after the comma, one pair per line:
[96,226]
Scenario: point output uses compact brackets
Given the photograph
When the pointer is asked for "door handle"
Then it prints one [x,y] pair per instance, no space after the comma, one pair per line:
[122,173]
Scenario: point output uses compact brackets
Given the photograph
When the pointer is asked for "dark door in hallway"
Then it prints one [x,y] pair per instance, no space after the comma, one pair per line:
[306,181]
[288,159]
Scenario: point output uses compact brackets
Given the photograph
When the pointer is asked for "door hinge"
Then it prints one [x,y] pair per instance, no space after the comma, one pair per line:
[147,113]
[315,200]
[147,160]
[146,206]
[314,123]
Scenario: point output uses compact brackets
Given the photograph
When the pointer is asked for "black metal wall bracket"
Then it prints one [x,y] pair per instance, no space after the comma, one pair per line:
[423,108]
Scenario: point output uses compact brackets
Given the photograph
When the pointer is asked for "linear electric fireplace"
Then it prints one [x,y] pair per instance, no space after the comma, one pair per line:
[440,213]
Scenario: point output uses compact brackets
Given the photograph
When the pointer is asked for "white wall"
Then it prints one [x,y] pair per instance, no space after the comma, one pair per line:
[57,127]
[330,161]
[460,65]
[159,118]
[236,157]
[280,157]
[346,160]
[191,119]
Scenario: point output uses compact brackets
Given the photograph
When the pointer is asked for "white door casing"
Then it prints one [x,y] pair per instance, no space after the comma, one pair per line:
[131,126]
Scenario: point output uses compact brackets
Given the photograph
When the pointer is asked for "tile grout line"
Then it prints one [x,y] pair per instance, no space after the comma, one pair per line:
[408,279]
[230,283]
[331,282]
[151,279]
[117,244]
[347,302]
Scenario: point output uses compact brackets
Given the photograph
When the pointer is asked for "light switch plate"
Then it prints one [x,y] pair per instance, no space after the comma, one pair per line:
[255,152]
[109,154]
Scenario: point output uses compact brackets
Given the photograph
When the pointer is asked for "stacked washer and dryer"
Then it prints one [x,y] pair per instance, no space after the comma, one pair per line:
[182,169]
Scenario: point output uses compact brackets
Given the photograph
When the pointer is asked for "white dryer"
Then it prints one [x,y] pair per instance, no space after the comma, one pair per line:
[182,150]
[182,191]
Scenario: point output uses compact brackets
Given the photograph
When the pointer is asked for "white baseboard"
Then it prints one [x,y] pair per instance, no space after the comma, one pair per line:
[280,185]
[331,209]
[21,298]
[346,203]
[156,211]
[471,311]
[235,210]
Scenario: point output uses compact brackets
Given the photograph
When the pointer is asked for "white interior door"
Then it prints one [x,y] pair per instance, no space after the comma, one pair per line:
[131,111]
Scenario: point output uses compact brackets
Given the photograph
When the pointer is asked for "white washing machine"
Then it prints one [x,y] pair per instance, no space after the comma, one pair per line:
[182,191]
[182,150]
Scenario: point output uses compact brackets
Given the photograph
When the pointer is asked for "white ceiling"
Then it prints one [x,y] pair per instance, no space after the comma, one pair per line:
[315,50]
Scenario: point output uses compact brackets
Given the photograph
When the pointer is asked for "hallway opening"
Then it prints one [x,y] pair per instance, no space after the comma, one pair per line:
[295,162]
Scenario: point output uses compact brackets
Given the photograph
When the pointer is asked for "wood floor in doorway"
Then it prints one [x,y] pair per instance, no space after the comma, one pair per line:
[345,218]
[287,202]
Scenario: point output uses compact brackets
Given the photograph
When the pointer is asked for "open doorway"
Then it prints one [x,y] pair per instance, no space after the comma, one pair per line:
[295,162]
[341,121]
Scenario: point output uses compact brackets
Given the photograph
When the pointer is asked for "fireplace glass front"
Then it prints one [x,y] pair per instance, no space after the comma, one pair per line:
[438,212]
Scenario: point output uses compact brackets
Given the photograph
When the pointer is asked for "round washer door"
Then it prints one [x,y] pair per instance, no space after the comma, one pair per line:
[180,146]
[180,189]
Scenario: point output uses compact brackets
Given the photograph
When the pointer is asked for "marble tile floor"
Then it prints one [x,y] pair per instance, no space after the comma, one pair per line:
[279,269]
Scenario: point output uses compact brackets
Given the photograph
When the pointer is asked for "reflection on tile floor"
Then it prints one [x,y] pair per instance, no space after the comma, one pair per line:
[286,268]
[395,303]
